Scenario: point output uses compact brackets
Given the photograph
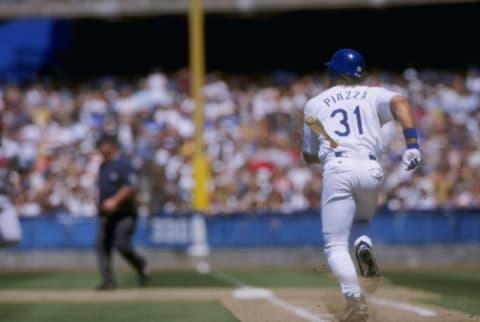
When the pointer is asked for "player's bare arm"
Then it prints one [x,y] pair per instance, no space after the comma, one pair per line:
[402,112]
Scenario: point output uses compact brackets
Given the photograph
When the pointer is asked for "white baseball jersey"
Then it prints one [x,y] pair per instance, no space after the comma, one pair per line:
[352,116]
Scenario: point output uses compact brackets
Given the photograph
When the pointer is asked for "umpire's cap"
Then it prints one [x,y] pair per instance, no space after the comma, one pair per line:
[348,63]
[107,138]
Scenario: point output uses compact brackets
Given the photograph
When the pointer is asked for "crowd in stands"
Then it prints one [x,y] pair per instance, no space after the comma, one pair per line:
[252,134]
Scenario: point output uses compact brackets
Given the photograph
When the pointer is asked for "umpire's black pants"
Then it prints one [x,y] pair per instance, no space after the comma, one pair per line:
[118,232]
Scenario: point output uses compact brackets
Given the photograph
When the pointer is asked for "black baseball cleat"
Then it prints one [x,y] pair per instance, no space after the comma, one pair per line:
[144,275]
[106,286]
[367,264]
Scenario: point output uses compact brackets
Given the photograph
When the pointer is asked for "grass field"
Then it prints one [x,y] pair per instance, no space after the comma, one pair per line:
[459,290]
[184,311]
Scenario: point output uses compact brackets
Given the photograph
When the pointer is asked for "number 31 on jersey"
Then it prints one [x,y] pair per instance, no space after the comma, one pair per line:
[344,121]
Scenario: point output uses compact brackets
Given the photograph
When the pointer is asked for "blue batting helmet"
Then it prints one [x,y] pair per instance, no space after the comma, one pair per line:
[346,62]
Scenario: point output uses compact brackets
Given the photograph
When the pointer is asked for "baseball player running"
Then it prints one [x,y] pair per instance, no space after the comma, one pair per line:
[342,131]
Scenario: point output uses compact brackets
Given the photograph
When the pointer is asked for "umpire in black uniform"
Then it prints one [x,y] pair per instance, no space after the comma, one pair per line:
[117,183]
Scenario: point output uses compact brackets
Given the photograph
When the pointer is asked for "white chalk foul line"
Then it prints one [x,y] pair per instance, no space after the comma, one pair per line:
[229,279]
[251,293]
[246,292]
[300,311]
[403,306]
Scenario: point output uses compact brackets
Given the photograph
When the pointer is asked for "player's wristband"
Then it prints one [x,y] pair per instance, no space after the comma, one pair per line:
[411,133]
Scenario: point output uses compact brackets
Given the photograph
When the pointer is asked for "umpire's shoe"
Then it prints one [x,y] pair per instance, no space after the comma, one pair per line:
[106,286]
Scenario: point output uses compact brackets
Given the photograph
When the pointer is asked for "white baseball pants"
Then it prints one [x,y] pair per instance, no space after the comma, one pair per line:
[349,193]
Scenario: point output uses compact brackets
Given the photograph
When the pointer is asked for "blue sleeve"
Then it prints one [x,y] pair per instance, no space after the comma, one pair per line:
[128,174]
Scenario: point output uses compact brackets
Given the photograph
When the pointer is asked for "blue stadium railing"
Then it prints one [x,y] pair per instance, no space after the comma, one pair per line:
[257,230]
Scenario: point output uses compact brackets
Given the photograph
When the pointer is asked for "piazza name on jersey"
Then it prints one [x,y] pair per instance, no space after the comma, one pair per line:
[345,96]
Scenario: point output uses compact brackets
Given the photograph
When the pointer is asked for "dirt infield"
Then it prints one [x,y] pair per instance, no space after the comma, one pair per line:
[279,304]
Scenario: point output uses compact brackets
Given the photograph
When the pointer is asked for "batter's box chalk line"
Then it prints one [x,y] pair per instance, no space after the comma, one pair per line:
[254,293]
[402,306]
